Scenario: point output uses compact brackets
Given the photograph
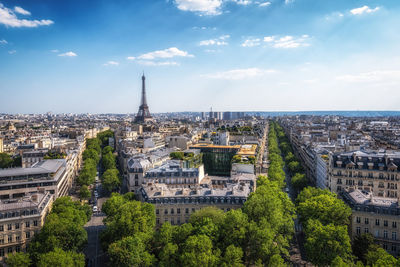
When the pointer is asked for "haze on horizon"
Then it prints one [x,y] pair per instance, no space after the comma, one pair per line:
[267,55]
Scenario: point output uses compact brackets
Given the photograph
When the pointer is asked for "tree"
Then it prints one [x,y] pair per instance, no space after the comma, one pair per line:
[5,161]
[91,154]
[310,192]
[198,251]
[325,208]
[130,251]
[277,261]
[108,161]
[110,179]
[18,259]
[299,181]
[361,245]
[338,262]
[169,255]
[107,149]
[84,192]
[234,229]
[61,258]
[379,257]
[233,257]
[325,242]
[177,155]
[93,143]
[294,167]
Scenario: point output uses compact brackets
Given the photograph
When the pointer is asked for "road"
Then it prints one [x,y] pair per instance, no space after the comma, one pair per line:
[262,154]
[95,255]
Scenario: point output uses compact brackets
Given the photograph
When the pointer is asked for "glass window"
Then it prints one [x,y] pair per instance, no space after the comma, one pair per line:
[10,250]
[394,224]
[1,252]
[9,227]
[394,235]
[28,235]
[16,225]
[385,223]
[385,234]
[377,222]
[366,230]
[10,239]
[27,224]
[1,228]
[366,221]
[358,230]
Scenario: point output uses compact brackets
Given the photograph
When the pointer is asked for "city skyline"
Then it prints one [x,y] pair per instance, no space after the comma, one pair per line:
[87,57]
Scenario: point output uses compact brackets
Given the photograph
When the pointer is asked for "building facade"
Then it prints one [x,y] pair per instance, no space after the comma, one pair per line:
[20,220]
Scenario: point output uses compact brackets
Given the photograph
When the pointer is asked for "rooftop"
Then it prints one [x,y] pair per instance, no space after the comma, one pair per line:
[43,167]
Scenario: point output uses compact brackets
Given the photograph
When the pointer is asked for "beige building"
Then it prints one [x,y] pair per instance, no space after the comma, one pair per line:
[20,220]
[378,216]
[1,145]
[175,205]
[370,171]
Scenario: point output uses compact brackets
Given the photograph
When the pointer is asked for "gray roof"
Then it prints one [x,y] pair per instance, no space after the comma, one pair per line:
[43,167]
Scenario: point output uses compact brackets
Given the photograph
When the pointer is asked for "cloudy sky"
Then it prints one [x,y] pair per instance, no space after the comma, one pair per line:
[270,55]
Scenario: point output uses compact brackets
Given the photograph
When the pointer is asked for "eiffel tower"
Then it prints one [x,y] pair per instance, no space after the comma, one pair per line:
[143,114]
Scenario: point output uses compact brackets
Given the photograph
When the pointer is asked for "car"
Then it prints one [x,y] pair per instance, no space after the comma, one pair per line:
[287,190]
[94,208]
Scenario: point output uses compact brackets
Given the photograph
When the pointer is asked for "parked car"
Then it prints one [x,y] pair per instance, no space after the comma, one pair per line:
[94,208]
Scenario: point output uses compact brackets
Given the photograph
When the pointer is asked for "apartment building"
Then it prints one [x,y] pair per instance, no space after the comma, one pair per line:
[20,220]
[373,171]
[379,216]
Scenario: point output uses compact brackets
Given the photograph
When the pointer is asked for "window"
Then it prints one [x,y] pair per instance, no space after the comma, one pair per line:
[16,225]
[10,250]
[9,227]
[172,211]
[366,221]
[394,224]
[385,246]
[366,230]
[394,235]
[358,230]
[339,181]
[178,221]
[17,248]
[393,247]
[1,252]
[17,238]
[2,241]
[358,220]
[376,233]
[385,223]
[1,228]
[10,239]
[385,234]
[158,221]
[178,211]
[172,221]
[157,211]
[166,211]
[377,222]
[27,224]
[187,211]
[28,235]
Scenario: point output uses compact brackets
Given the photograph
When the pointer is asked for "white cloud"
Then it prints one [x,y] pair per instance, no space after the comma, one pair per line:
[158,63]
[21,11]
[54,51]
[364,9]
[10,19]
[3,41]
[240,74]
[131,58]
[372,76]
[12,52]
[218,41]
[166,53]
[287,2]
[264,4]
[287,41]
[202,7]
[111,63]
[242,2]
[68,54]
[251,42]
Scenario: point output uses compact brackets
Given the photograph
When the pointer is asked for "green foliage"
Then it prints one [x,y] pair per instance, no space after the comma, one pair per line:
[325,242]
[310,192]
[130,251]
[233,257]
[94,143]
[198,251]
[87,175]
[326,208]
[130,218]
[177,155]
[18,259]
[377,256]
[55,155]
[107,149]
[103,137]
[63,229]
[6,161]
[361,245]
[294,167]
[108,161]
[61,258]
[299,181]
[111,180]
[91,154]
[84,192]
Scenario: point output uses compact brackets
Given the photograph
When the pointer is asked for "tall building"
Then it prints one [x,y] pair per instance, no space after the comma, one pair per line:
[143,114]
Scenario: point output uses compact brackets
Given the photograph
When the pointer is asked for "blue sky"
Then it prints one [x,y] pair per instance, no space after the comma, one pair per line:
[87,56]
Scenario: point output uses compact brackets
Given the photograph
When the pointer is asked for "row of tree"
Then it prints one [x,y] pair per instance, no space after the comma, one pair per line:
[61,240]
[110,179]
[276,163]
[258,234]
[325,219]
[6,161]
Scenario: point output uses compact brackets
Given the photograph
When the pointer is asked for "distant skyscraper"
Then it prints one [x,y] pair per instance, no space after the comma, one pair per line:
[143,114]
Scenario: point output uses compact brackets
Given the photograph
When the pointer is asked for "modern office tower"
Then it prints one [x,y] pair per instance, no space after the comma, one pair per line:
[143,114]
